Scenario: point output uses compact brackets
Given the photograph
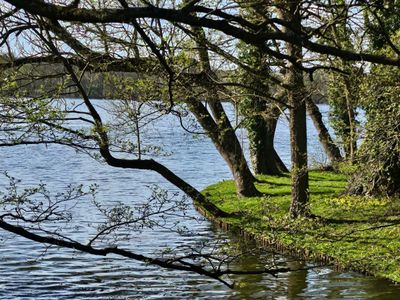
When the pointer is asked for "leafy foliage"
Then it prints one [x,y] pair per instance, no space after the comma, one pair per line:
[378,171]
[343,97]
[382,20]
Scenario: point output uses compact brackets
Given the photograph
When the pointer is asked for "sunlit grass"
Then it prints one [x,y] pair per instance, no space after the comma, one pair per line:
[355,232]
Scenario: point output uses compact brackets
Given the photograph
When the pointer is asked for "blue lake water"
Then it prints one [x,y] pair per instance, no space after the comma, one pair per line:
[33,271]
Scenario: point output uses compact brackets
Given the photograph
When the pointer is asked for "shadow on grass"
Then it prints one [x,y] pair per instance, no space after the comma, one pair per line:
[376,221]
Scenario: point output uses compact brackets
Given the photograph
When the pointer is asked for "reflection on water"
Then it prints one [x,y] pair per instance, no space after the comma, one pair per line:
[32,271]
[310,282]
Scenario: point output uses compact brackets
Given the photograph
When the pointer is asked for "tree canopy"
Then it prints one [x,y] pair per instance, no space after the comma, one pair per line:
[171,57]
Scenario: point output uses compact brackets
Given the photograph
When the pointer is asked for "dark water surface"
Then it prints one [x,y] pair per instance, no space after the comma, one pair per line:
[32,271]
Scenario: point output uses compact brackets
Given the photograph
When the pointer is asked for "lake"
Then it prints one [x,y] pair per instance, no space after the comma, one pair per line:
[33,271]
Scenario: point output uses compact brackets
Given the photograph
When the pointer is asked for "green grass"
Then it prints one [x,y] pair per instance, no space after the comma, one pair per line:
[356,233]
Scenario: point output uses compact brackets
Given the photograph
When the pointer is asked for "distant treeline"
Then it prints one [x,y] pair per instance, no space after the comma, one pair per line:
[51,79]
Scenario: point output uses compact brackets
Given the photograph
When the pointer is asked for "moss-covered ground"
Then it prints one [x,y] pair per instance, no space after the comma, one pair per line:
[355,233]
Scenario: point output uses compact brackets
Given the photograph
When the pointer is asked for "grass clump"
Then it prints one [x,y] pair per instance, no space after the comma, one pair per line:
[355,233]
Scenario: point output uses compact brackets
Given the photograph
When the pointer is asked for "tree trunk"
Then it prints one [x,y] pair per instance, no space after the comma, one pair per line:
[297,103]
[261,130]
[351,143]
[219,128]
[331,150]
[227,144]
[298,144]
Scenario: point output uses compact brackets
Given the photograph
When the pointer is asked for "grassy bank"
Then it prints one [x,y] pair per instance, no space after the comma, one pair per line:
[357,233]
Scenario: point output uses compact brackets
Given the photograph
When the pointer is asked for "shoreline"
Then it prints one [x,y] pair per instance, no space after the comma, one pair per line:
[269,244]
[307,244]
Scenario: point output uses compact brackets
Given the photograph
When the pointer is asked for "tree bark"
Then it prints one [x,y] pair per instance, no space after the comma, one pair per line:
[153,165]
[350,145]
[230,149]
[298,144]
[265,159]
[297,101]
[219,128]
[331,150]
[227,144]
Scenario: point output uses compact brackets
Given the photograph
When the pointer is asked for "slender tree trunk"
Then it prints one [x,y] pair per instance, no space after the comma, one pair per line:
[331,150]
[347,127]
[351,143]
[298,128]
